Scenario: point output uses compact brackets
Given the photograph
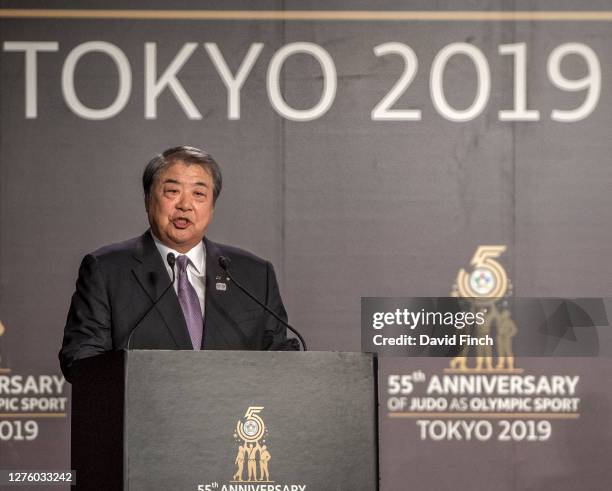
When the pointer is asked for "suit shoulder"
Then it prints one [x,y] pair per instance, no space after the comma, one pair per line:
[117,251]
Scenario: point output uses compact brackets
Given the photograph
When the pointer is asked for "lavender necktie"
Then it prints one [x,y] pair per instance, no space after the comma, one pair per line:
[190,303]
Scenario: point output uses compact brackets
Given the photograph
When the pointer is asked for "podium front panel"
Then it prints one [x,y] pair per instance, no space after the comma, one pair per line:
[276,420]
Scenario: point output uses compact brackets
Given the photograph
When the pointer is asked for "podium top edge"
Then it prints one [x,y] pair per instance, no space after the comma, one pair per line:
[249,352]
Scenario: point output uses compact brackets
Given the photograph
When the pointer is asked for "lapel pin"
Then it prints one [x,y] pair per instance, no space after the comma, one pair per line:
[221,286]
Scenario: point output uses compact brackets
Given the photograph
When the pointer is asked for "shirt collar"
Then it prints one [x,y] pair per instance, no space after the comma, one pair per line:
[196,255]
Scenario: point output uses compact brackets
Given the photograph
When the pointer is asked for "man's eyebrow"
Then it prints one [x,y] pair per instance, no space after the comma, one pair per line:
[200,183]
[170,181]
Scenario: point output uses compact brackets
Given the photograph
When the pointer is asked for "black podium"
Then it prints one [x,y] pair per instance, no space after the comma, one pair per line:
[225,421]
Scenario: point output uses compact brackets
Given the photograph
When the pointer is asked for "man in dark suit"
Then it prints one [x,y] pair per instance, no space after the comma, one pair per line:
[118,284]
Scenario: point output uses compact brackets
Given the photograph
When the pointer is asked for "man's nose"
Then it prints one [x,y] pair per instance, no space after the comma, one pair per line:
[184,203]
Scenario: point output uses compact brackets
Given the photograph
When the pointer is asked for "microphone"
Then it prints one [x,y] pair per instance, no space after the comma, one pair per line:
[224,262]
[171,260]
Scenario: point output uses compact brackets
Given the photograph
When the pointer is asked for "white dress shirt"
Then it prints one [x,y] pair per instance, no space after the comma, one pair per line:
[196,267]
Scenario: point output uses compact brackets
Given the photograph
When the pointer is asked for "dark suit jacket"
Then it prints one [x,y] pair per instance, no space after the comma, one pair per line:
[118,283]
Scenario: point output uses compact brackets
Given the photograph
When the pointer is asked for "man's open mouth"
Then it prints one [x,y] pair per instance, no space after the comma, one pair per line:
[181,222]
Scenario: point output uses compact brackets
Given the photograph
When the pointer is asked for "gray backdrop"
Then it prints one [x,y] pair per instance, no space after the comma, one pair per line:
[342,205]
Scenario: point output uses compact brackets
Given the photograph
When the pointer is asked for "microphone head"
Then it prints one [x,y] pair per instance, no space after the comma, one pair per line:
[171,260]
[224,262]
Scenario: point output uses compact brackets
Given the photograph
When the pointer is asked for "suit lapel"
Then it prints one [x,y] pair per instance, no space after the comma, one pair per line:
[220,329]
[151,274]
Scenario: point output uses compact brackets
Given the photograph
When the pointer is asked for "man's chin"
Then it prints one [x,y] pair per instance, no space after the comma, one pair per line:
[183,242]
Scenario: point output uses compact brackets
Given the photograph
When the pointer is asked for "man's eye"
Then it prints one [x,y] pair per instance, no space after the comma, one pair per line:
[198,193]
[172,191]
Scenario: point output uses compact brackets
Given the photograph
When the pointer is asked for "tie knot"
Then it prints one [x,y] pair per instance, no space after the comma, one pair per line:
[182,261]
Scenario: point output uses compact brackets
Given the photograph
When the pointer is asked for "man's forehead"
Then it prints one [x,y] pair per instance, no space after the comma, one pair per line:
[185,173]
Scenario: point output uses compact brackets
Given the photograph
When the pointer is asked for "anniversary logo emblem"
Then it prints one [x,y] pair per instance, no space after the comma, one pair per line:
[252,458]
[485,288]
[26,400]
[251,431]
[2,329]
[482,394]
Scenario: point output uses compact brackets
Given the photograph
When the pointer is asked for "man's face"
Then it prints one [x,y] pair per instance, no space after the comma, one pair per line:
[180,205]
